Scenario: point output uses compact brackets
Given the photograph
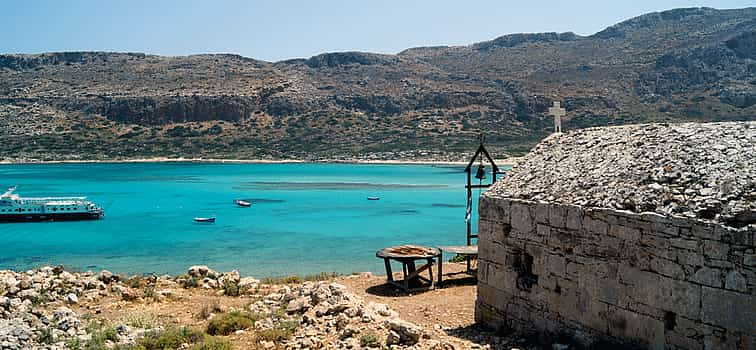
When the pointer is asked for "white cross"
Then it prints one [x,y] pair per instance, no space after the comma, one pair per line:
[558,112]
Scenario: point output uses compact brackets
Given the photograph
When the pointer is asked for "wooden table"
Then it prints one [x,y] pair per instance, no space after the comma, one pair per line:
[407,255]
[468,251]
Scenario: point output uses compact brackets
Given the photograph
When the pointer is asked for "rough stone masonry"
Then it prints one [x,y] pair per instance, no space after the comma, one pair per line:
[637,235]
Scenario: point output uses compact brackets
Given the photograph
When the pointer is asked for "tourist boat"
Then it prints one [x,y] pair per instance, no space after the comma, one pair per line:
[14,208]
[205,220]
[242,203]
[373,198]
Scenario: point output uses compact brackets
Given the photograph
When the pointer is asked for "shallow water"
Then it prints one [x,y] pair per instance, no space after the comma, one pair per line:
[305,218]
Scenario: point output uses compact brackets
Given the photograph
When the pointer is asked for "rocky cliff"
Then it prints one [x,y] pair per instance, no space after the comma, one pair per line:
[694,64]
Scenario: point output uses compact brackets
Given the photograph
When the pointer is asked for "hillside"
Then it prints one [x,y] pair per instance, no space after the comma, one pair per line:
[694,64]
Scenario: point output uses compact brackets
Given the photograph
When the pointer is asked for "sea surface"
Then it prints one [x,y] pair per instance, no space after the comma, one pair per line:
[305,218]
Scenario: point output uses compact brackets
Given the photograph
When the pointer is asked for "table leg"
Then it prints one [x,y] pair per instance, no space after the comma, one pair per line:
[430,270]
[440,268]
[389,274]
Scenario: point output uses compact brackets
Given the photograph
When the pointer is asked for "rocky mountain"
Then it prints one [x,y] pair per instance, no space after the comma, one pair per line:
[695,64]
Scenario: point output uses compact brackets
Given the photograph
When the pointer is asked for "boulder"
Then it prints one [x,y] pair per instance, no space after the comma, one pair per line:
[201,271]
[105,276]
[408,332]
[229,277]
[71,298]
[248,283]
[298,305]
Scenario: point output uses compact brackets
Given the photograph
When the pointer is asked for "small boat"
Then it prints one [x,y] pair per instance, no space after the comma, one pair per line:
[373,198]
[207,220]
[242,203]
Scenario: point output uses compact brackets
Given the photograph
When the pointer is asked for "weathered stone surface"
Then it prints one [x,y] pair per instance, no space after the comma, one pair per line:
[734,311]
[684,170]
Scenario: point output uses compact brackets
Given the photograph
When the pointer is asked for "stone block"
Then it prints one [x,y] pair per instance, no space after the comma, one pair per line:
[557,215]
[708,276]
[629,234]
[715,250]
[684,243]
[676,341]
[502,277]
[486,229]
[667,268]
[736,281]
[556,264]
[730,310]
[704,231]
[732,235]
[542,213]
[647,331]
[491,251]
[494,209]
[749,260]
[664,293]
[595,225]
[574,217]
[543,231]
[522,219]
[693,259]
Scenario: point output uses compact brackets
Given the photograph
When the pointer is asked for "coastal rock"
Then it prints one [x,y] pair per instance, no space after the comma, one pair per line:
[248,283]
[105,276]
[201,271]
[229,277]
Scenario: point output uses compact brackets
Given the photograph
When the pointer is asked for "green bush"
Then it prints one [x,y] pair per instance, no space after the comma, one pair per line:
[212,343]
[171,338]
[231,289]
[370,340]
[46,336]
[191,282]
[231,322]
[281,331]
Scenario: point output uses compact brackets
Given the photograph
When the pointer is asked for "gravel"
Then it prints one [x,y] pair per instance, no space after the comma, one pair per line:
[697,170]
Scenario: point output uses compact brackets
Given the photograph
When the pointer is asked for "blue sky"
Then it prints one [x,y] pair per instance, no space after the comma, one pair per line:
[280,29]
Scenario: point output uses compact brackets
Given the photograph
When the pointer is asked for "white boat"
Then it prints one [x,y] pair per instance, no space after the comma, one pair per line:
[14,208]
[242,203]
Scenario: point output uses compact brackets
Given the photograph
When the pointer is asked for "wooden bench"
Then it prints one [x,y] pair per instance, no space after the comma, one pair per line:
[468,251]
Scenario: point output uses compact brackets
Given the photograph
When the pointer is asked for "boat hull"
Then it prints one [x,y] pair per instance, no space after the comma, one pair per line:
[49,217]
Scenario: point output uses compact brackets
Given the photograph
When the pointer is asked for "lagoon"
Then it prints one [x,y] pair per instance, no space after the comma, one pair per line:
[305,218]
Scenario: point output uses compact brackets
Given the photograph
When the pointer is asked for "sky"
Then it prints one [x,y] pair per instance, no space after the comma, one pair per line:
[282,29]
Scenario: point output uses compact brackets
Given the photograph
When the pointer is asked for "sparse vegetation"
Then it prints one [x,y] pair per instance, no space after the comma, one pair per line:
[370,340]
[281,331]
[138,320]
[208,309]
[46,336]
[233,321]
[231,289]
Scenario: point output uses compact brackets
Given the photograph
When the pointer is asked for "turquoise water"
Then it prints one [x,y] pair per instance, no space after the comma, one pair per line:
[306,218]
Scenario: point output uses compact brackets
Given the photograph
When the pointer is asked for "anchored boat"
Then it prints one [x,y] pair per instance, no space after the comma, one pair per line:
[14,208]
[242,203]
[209,220]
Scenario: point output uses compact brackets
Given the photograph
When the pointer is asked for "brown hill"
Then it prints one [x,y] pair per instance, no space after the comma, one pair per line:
[695,64]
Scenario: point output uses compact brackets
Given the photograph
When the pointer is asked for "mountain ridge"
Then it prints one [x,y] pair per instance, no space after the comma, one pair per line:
[693,64]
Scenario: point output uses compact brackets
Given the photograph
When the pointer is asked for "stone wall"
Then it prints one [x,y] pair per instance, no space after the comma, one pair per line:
[601,276]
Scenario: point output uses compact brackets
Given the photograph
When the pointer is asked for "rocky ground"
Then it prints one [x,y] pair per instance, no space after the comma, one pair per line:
[704,171]
[50,308]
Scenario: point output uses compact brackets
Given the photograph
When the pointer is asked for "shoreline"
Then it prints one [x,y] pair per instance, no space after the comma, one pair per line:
[501,162]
